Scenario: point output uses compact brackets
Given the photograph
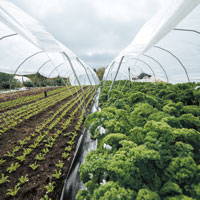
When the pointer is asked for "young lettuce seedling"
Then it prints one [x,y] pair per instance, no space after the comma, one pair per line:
[65,155]
[23,179]
[57,174]
[60,164]
[46,197]
[2,161]
[3,179]
[50,187]
[34,166]
[13,167]
[13,192]
[21,158]
[40,156]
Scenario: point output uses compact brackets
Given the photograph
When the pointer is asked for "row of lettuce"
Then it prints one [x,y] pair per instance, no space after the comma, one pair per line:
[148,143]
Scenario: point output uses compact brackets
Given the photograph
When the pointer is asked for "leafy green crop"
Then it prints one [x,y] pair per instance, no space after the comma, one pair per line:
[148,143]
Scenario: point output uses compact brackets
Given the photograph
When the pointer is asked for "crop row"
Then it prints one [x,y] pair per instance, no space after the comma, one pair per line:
[27,99]
[47,124]
[148,143]
[69,146]
[14,117]
[46,141]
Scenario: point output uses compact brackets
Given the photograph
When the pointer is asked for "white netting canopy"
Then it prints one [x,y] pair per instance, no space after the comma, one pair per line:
[27,48]
[167,47]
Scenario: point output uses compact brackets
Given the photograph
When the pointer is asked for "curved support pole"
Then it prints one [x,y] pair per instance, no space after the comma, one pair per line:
[48,61]
[58,74]
[111,86]
[8,36]
[141,71]
[90,70]
[41,68]
[111,66]
[186,30]
[55,69]
[24,61]
[74,72]
[179,61]
[81,63]
[155,60]
[145,63]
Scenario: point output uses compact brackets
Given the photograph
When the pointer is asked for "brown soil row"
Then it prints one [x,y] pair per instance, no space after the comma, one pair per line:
[9,139]
[34,189]
[14,95]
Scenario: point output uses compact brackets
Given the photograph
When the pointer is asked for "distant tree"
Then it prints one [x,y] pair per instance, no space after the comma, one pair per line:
[28,84]
[40,81]
[5,81]
[100,72]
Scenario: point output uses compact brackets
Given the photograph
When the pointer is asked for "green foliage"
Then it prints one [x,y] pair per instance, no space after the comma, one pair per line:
[114,139]
[140,114]
[94,167]
[179,197]
[57,174]
[170,188]
[173,108]
[145,194]
[100,72]
[2,161]
[28,84]
[13,167]
[23,179]
[46,197]
[153,130]
[50,187]
[13,192]
[60,164]
[190,121]
[193,109]
[196,94]
[37,80]
[5,81]
[182,170]
[112,191]
[34,166]
[3,179]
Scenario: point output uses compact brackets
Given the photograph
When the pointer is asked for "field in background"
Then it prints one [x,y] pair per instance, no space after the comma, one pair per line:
[38,137]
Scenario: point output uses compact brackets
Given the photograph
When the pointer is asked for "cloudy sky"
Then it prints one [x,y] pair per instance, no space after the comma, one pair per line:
[96,30]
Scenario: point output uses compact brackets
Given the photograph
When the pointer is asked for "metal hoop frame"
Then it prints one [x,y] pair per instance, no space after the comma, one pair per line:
[24,61]
[156,61]
[179,61]
[8,36]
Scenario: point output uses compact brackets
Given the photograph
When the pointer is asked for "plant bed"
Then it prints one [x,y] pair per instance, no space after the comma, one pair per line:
[148,143]
[40,149]
[14,95]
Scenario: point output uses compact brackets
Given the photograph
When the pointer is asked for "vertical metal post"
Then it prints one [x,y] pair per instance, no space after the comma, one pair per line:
[111,87]
[22,79]
[111,66]
[84,69]
[74,72]
[90,70]
[129,73]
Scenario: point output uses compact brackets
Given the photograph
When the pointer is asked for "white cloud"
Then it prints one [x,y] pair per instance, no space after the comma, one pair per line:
[121,10]
[42,8]
[96,30]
